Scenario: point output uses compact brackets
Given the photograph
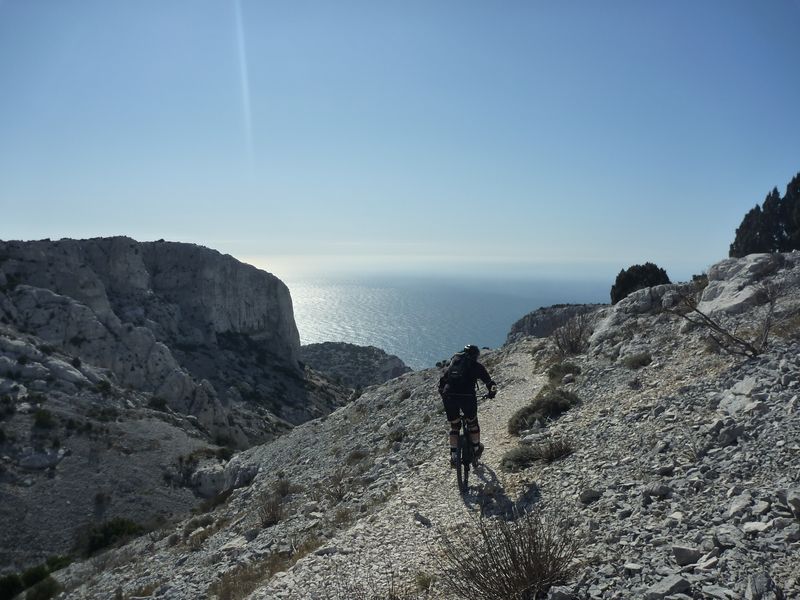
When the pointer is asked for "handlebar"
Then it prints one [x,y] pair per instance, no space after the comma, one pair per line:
[482,397]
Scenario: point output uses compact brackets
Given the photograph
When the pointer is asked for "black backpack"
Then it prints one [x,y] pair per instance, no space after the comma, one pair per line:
[458,372]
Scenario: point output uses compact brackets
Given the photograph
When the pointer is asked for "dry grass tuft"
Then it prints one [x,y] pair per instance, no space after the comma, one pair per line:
[517,560]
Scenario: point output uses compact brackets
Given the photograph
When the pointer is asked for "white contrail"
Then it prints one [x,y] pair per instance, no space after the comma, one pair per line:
[245,83]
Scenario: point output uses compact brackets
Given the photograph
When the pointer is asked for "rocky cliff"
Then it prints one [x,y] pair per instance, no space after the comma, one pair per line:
[126,367]
[681,480]
[543,321]
[352,365]
[192,326]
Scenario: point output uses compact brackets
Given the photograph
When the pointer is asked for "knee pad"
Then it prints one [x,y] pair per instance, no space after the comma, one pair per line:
[454,425]
[473,425]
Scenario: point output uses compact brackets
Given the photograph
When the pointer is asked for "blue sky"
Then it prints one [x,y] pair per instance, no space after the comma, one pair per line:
[517,138]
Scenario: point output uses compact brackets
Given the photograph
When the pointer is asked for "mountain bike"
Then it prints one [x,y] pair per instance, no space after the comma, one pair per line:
[464,456]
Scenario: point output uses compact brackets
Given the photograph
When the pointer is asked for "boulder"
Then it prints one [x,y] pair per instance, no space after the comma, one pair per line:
[65,372]
[37,460]
[673,584]
[208,480]
[793,500]
[730,286]
[685,555]
[657,490]
[589,495]
[761,587]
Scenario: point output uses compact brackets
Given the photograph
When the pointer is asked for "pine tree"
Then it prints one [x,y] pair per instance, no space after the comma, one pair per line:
[791,201]
[772,227]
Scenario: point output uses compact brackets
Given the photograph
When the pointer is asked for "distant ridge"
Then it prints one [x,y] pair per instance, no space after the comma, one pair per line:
[543,321]
[352,365]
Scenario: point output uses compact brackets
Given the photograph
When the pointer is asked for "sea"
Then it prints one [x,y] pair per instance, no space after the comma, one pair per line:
[425,320]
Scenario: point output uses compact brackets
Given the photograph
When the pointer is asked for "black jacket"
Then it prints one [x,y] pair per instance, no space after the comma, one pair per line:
[476,371]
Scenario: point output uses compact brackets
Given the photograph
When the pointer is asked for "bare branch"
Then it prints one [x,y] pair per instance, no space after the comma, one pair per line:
[573,336]
[730,342]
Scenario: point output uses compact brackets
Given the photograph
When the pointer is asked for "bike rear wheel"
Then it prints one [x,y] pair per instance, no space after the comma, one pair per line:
[464,460]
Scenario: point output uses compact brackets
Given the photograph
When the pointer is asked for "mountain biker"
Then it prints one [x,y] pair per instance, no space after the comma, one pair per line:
[457,389]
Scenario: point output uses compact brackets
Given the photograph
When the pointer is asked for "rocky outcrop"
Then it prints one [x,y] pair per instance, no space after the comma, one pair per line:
[213,337]
[543,321]
[735,287]
[352,365]
[733,284]
[183,292]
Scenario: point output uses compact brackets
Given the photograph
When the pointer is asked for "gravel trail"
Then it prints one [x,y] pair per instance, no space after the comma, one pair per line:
[397,544]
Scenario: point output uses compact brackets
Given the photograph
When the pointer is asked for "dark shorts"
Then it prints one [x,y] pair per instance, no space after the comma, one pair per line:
[454,404]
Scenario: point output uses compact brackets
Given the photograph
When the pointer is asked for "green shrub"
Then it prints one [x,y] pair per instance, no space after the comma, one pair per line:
[196,523]
[10,586]
[552,449]
[336,486]
[637,361]
[225,453]
[157,403]
[76,362]
[342,516]
[270,510]
[356,456]
[522,457]
[55,563]
[34,575]
[518,458]
[44,590]
[396,435]
[2,436]
[549,403]
[557,371]
[284,487]
[242,579]
[109,533]
[637,277]
[7,407]
[104,413]
[43,419]
[213,502]
[424,581]
[404,395]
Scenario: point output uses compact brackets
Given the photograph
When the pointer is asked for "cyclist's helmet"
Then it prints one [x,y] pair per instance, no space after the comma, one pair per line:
[472,350]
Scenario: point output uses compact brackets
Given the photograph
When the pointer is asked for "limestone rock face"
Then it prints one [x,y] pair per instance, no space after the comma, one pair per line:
[641,302]
[355,366]
[183,292]
[125,367]
[731,282]
[206,333]
[543,321]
